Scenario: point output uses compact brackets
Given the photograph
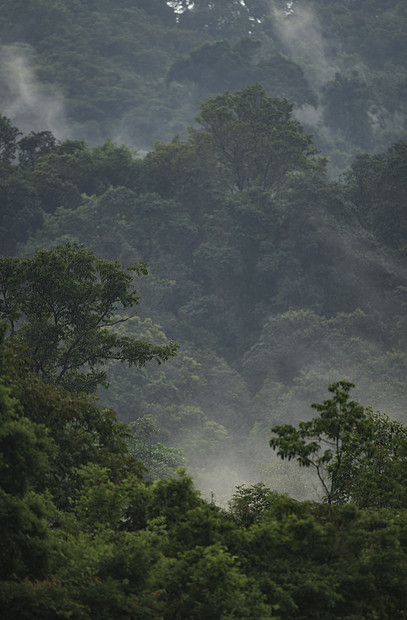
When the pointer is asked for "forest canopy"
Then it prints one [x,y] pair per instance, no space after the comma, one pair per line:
[228,176]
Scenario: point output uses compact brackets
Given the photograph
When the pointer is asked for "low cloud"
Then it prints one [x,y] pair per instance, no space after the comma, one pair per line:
[300,31]
[30,105]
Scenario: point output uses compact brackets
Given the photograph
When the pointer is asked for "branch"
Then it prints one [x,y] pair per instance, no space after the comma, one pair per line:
[115,322]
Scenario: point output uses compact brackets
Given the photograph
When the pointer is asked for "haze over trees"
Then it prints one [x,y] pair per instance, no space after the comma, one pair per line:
[136,71]
[268,241]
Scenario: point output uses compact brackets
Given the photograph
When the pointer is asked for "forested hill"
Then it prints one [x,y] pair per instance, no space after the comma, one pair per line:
[170,296]
[136,70]
[273,279]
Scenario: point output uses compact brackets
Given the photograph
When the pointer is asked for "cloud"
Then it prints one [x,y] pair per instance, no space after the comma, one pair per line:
[31,106]
[300,31]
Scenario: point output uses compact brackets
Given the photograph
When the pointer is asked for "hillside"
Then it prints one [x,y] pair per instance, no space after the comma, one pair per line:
[272,290]
[135,71]
[203,295]
[273,279]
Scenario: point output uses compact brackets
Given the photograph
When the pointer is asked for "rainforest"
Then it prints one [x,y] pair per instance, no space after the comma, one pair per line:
[203,295]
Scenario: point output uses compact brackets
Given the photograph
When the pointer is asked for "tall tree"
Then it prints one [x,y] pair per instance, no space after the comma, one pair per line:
[63,305]
[322,442]
[254,137]
[359,456]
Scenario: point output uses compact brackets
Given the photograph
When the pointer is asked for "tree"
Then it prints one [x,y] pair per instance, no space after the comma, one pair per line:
[21,212]
[63,304]
[8,141]
[377,184]
[359,456]
[374,477]
[248,503]
[25,448]
[82,434]
[161,461]
[254,137]
[325,441]
[34,146]
[209,582]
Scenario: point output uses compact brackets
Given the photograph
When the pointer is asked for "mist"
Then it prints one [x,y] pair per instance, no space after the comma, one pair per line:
[257,463]
[301,36]
[27,102]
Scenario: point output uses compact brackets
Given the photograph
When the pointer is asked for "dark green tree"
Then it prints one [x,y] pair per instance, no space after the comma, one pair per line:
[25,448]
[8,141]
[249,503]
[63,305]
[21,212]
[34,146]
[377,184]
[254,137]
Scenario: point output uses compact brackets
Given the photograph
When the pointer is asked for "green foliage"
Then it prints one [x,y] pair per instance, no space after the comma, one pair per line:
[33,147]
[121,548]
[299,351]
[322,442]
[21,212]
[377,184]
[299,323]
[65,433]
[358,456]
[111,62]
[328,563]
[25,448]
[209,583]
[8,141]
[161,461]
[273,279]
[173,498]
[62,304]
[372,475]
[216,66]
[248,503]
[101,502]
[254,137]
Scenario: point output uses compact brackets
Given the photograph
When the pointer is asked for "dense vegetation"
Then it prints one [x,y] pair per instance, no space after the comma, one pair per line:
[275,277]
[273,280]
[136,70]
[84,536]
